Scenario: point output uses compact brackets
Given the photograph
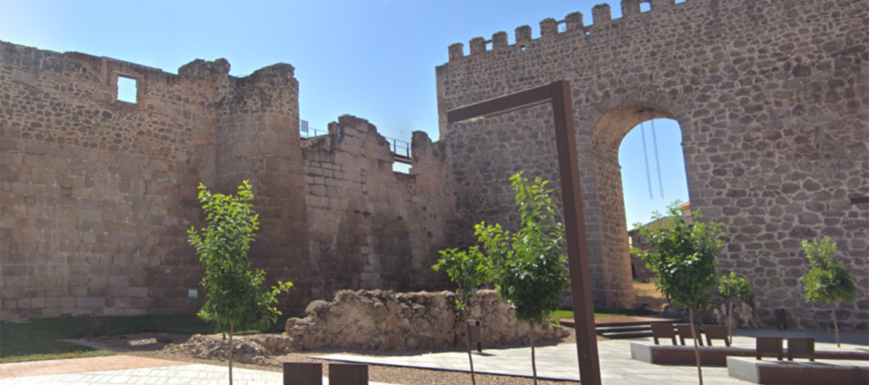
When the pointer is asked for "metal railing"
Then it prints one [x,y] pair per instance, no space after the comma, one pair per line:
[398,147]
[312,132]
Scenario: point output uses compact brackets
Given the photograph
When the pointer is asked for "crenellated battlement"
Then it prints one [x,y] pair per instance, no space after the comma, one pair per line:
[770,98]
[549,28]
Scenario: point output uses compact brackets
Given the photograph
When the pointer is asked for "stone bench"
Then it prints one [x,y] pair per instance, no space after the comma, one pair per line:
[716,356]
[798,372]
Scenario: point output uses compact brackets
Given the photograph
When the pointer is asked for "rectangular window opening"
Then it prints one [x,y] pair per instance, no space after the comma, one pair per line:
[645,6]
[680,1]
[127,91]
[400,167]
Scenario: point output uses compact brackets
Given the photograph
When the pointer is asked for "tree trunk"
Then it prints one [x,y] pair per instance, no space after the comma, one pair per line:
[230,354]
[835,324]
[695,333]
[470,357]
[533,358]
[730,323]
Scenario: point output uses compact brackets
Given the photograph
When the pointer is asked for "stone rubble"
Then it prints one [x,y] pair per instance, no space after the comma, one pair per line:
[245,350]
[386,320]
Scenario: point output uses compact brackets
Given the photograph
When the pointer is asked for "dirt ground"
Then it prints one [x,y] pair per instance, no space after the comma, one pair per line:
[157,345]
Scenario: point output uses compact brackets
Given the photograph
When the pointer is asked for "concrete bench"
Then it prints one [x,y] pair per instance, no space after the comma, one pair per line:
[717,356]
[798,373]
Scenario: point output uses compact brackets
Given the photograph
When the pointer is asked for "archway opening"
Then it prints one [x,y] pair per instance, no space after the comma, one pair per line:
[628,194]
[653,177]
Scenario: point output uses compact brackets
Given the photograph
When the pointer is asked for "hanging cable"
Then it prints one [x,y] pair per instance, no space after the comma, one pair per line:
[646,157]
[657,159]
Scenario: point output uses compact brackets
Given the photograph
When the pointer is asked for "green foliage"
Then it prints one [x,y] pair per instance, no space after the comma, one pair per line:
[827,280]
[683,257]
[468,269]
[529,265]
[235,297]
[568,314]
[41,339]
[735,287]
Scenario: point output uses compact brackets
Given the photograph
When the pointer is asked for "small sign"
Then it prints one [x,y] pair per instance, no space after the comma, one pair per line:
[192,293]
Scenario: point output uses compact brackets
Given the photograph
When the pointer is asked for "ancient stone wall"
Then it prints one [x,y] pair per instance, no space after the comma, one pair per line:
[96,194]
[385,320]
[369,227]
[771,96]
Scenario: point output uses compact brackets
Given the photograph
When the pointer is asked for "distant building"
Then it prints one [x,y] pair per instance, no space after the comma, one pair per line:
[639,271]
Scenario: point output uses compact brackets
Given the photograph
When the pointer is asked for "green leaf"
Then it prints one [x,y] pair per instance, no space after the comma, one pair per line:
[683,256]
[234,294]
[827,280]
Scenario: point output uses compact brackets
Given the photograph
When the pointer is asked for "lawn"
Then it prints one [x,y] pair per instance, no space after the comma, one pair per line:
[38,339]
[568,314]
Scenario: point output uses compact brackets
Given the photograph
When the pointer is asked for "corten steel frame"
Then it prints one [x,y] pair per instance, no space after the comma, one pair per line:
[580,278]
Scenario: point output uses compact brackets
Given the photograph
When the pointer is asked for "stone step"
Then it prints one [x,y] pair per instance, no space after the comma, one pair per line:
[623,329]
[625,335]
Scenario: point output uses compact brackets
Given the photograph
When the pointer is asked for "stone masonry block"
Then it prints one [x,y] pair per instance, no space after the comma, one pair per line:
[90,302]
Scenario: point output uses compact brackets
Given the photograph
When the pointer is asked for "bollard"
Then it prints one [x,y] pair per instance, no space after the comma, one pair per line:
[474,334]
[303,373]
[781,319]
[348,374]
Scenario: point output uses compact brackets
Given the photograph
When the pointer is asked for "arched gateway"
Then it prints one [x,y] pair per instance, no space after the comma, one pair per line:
[771,98]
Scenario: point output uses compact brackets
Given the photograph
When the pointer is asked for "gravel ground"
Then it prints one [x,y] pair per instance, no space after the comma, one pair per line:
[146,345]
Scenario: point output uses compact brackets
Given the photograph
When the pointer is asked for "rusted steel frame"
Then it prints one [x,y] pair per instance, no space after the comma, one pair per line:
[558,93]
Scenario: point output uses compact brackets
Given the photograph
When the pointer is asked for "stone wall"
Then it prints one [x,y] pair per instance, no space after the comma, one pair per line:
[384,320]
[96,194]
[771,96]
[369,227]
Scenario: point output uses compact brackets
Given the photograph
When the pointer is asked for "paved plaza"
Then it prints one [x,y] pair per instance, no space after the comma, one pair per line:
[167,373]
[559,362]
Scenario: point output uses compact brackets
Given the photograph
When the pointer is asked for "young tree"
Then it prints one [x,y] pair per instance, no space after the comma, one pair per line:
[235,299]
[683,257]
[468,269]
[530,269]
[827,280]
[733,288]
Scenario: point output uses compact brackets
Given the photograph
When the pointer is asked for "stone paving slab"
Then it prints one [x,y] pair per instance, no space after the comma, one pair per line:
[195,374]
[80,365]
[553,362]
[559,362]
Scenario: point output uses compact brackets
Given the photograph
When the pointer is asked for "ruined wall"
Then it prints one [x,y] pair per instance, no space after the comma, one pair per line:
[771,96]
[369,226]
[96,194]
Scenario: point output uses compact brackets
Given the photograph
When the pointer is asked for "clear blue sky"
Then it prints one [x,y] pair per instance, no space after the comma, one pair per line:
[372,59]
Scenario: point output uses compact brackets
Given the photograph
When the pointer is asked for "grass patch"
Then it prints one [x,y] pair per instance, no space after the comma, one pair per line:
[58,356]
[38,339]
[568,314]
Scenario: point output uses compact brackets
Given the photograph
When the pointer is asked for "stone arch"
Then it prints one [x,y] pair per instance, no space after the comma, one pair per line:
[613,264]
